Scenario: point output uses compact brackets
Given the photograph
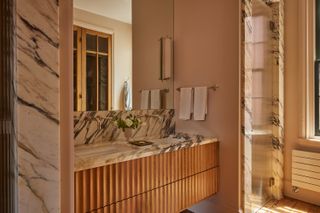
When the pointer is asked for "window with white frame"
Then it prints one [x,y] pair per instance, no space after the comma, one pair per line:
[309,62]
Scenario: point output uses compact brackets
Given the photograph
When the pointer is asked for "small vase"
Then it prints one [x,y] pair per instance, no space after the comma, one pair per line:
[128,133]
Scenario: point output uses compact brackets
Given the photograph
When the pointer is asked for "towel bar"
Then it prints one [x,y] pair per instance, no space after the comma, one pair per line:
[214,87]
[161,90]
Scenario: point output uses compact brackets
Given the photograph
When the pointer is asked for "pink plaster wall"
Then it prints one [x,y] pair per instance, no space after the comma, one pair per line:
[151,20]
[206,52]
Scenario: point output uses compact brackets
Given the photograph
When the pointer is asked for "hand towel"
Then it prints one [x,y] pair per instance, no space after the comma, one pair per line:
[144,99]
[126,96]
[155,99]
[200,103]
[186,103]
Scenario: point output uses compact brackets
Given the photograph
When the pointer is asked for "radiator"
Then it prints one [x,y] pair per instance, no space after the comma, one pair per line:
[306,170]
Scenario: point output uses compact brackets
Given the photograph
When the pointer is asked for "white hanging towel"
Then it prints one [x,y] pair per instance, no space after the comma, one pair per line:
[144,99]
[155,99]
[126,96]
[200,103]
[186,103]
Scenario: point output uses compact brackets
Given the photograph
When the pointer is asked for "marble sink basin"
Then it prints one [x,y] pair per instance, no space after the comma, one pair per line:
[101,149]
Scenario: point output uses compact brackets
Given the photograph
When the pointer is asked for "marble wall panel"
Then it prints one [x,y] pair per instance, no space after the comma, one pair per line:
[37,91]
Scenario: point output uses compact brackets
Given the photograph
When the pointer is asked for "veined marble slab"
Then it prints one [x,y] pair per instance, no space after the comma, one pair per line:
[98,127]
[101,154]
[37,83]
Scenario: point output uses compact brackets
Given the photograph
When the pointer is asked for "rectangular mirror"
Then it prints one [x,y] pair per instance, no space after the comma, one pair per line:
[123,55]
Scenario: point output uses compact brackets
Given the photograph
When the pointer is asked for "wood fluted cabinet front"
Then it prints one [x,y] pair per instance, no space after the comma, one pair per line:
[168,182]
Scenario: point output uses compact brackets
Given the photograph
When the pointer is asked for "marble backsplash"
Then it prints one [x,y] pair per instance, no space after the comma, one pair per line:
[98,127]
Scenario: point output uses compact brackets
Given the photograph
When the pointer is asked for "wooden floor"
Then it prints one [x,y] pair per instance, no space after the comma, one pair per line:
[289,205]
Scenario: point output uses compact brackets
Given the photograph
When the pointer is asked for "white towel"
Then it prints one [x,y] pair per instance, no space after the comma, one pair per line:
[155,99]
[144,99]
[200,103]
[126,96]
[186,103]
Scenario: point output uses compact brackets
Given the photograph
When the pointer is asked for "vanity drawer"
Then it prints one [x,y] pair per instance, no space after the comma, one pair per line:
[173,197]
[138,182]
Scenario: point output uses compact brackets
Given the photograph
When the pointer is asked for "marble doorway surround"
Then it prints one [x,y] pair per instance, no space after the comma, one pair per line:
[277,102]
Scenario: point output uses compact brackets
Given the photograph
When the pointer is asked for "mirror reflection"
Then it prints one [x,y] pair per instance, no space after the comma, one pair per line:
[122,55]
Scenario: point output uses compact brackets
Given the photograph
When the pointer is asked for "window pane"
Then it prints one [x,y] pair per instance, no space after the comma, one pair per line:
[75,83]
[91,82]
[75,39]
[318,109]
[91,42]
[103,82]
[103,45]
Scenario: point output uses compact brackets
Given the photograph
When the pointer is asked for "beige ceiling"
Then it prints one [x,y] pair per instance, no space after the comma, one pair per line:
[115,9]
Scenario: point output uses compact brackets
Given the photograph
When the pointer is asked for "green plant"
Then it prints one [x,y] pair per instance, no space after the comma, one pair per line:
[130,121]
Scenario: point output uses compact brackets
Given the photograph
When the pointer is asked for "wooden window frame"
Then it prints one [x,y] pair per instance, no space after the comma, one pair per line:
[317,66]
[78,68]
[81,67]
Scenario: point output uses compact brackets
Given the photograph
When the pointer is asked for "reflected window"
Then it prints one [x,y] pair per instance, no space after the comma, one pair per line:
[92,70]
[317,69]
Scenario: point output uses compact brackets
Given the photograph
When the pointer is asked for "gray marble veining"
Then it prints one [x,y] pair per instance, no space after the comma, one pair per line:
[101,154]
[98,127]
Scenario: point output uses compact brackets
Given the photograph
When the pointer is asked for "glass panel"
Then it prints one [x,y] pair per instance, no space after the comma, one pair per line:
[75,39]
[103,45]
[258,117]
[91,82]
[91,42]
[75,82]
[103,82]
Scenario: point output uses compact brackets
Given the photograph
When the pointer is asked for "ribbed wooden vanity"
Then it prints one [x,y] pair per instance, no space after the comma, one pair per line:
[165,182]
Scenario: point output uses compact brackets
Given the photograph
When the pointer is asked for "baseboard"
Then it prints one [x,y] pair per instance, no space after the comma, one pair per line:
[301,194]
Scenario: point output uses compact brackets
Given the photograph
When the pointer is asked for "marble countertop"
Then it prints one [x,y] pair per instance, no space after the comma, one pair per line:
[101,154]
